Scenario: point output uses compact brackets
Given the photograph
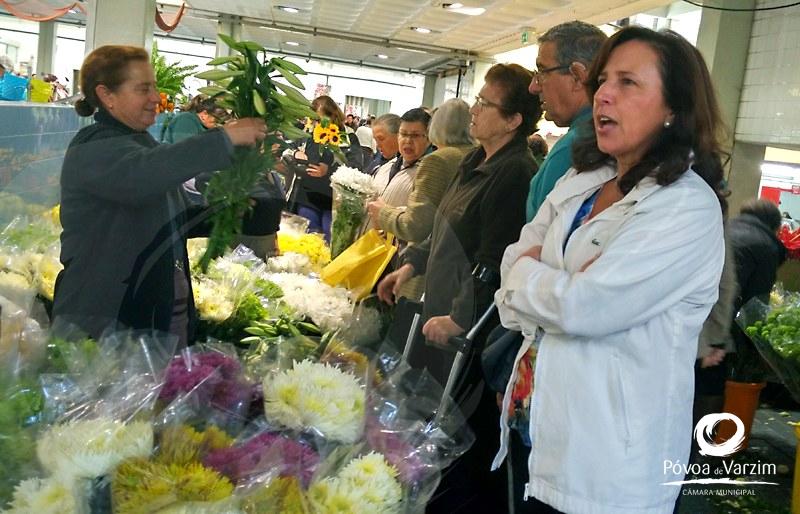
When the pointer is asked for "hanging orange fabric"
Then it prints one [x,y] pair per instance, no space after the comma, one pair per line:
[169,26]
[56,12]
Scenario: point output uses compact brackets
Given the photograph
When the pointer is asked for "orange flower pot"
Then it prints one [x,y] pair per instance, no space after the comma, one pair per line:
[741,399]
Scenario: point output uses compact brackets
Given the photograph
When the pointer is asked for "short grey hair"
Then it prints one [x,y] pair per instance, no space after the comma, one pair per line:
[575,41]
[390,121]
[450,124]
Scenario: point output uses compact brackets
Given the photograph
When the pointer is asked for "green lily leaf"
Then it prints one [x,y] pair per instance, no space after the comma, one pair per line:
[219,74]
[212,90]
[258,103]
[252,45]
[287,65]
[217,61]
[291,78]
[293,94]
[230,42]
[292,132]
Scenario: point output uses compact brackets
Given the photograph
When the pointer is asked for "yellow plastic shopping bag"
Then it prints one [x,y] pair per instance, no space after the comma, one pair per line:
[40,91]
[359,267]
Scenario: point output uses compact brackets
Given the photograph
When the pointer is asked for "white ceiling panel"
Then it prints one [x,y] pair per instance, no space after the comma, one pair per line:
[356,30]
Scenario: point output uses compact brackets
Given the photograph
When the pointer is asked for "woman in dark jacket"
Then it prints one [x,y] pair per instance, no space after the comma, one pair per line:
[123,245]
[480,214]
[758,253]
[315,198]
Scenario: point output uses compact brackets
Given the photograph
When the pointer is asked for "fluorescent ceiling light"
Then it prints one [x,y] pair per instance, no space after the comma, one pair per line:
[381,56]
[290,10]
[414,50]
[291,43]
[460,9]
[421,30]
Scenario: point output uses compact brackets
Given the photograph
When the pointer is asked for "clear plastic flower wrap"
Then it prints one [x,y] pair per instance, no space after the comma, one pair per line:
[352,190]
[215,376]
[775,332]
[174,477]
[22,341]
[92,430]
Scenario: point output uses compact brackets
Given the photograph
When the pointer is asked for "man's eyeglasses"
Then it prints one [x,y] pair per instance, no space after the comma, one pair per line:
[483,103]
[538,75]
[411,135]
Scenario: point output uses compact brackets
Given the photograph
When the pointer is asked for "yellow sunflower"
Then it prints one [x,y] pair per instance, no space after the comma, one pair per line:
[335,140]
[321,134]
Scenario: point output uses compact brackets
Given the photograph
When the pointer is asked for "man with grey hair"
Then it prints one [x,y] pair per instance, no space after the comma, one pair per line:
[384,132]
[566,52]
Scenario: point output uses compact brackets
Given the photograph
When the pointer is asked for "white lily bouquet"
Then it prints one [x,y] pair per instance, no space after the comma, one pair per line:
[352,190]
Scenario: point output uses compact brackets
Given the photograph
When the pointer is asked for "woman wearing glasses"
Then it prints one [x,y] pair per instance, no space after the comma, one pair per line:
[480,214]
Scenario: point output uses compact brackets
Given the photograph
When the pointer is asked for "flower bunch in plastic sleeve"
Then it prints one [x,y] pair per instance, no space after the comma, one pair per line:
[107,425]
[352,190]
[215,375]
[775,331]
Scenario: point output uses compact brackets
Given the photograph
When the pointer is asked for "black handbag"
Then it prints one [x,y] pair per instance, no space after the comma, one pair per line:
[497,358]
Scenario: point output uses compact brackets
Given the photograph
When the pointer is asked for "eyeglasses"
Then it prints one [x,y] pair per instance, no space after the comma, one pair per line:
[538,75]
[411,135]
[483,103]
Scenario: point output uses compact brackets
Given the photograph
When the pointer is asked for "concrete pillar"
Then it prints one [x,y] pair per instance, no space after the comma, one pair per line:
[745,174]
[429,91]
[45,56]
[121,22]
[724,41]
[230,26]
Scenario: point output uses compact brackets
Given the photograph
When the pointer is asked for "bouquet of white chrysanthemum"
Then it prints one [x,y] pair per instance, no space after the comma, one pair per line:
[213,300]
[352,190]
[47,271]
[92,448]
[318,397]
[290,262]
[365,484]
[328,307]
[53,495]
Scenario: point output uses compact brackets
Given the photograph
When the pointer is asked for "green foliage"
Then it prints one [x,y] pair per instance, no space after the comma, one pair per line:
[782,329]
[246,85]
[169,77]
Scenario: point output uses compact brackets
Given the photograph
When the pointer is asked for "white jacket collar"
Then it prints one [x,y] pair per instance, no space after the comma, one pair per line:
[578,184]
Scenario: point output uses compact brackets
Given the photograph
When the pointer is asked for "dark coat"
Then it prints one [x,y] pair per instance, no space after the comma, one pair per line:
[481,213]
[125,225]
[758,254]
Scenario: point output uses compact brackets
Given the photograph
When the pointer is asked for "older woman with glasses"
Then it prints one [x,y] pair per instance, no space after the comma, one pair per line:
[413,222]
[480,214]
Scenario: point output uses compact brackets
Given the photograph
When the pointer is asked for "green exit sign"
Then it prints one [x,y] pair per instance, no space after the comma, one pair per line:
[525,35]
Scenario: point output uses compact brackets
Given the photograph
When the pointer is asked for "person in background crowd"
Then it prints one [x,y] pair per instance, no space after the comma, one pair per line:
[350,124]
[200,114]
[607,286]
[364,133]
[565,54]
[538,147]
[315,198]
[449,131]
[384,131]
[480,214]
[123,246]
[757,253]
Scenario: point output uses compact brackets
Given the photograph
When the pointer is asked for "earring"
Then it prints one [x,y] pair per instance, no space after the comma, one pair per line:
[667,124]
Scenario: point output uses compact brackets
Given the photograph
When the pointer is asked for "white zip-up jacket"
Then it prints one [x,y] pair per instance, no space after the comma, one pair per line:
[614,374]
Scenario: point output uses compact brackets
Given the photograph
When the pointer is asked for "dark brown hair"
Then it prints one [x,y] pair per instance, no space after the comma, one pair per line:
[329,108]
[693,137]
[764,210]
[107,65]
[514,80]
